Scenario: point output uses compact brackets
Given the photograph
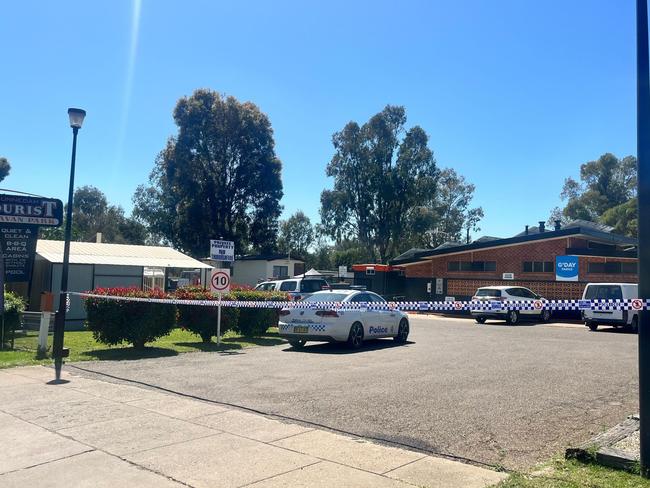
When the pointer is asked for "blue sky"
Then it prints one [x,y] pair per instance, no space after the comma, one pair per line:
[514,94]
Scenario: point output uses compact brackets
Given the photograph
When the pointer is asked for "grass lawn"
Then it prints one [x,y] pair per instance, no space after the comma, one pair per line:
[84,348]
[574,474]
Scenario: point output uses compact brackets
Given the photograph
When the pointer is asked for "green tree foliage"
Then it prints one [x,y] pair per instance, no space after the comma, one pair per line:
[381,173]
[296,234]
[218,177]
[447,213]
[606,193]
[5,168]
[91,214]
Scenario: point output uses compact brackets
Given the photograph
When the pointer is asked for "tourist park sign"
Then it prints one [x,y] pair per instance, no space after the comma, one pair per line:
[20,218]
[27,210]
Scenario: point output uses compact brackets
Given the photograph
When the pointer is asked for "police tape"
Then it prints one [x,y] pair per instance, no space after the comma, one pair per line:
[599,305]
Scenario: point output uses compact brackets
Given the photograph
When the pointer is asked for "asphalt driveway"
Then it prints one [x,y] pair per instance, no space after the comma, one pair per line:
[494,394]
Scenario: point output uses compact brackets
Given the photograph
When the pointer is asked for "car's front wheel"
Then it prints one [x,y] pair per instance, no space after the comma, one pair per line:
[480,320]
[355,338]
[297,343]
[402,332]
[592,326]
[545,315]
[513,317]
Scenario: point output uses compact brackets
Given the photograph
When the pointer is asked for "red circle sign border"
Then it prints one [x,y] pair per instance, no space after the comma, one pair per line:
[220,273]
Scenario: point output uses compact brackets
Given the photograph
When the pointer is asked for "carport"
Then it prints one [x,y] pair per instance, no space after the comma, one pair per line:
[98,265]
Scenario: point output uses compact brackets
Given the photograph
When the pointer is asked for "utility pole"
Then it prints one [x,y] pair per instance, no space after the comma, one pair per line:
[643,194]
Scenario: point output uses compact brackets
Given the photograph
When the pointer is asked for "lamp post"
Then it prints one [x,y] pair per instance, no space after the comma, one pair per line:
[76,119]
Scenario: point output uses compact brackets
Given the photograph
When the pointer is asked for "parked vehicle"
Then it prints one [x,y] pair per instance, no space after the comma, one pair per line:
[617,318]
[341,324]
[503,293]
[301,288]
[267,286]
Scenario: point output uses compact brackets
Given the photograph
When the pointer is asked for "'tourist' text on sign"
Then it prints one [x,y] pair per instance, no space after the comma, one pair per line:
[18,209]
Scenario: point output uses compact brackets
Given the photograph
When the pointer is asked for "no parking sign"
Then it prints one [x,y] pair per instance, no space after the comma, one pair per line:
[220,281]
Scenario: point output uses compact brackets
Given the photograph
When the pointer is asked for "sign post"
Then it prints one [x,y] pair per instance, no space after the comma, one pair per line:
[219,283]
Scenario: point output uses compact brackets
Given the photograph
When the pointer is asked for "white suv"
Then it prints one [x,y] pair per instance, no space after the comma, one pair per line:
[617,318]
[503,293]
[301,288]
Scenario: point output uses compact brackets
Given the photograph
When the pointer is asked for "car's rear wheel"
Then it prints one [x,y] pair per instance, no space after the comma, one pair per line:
[480,320]
[592,326]
[297,343]
[545,315]
[402,332]
[355,338]
[513,317]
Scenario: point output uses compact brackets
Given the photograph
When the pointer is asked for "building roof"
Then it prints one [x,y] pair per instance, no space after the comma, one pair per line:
[117,254]
[267,257]
[576,228]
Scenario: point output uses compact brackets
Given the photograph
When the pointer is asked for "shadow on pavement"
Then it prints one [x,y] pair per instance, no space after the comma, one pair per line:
[130,353]
[342,348]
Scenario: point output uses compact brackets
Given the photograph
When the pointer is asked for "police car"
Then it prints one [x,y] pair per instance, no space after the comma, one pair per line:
[354,323]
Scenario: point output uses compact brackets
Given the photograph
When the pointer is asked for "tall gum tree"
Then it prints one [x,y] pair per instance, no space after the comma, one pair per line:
[219,177]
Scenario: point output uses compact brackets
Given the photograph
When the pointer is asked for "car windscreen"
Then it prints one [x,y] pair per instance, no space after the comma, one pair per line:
[288,286]
[488,292]
[326,297]
[603,292]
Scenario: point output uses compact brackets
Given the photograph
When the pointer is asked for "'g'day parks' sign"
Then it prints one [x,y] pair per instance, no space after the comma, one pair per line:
[18,209]
[20,218]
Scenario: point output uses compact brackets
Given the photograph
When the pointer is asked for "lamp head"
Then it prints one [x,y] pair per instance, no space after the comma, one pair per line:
[76,117]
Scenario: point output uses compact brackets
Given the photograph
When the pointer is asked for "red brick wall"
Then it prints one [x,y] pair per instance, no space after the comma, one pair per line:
[510,259]
[553,290]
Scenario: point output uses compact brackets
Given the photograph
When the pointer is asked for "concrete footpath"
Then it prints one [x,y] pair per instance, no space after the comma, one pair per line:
[90,433]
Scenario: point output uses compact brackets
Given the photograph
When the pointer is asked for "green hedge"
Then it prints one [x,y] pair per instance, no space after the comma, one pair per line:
[114,322]
[14,306]
[255,322]
[202,320]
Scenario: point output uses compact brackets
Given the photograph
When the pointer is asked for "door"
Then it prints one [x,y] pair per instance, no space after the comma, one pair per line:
[388,319]
[528,296]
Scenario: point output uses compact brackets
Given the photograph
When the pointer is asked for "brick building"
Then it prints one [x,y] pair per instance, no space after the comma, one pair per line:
[528,259]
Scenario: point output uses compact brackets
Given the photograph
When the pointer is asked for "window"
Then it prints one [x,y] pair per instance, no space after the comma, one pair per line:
[603,292]
[289,285]
[538,266]
[471,266]
[311,286]
[488,292]
[612,268]
[361,297]
[280,271]
[376,298]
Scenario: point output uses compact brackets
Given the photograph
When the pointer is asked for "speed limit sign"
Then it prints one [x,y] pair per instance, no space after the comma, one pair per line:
[220,280]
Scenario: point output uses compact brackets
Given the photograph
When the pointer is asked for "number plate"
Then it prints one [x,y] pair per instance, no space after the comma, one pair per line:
[300,330]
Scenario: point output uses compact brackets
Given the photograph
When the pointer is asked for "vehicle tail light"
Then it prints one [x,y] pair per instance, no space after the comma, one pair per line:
[327,313]
[297,297]
[284,312]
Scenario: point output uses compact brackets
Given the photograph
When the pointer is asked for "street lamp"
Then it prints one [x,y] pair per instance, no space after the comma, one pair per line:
[76,120]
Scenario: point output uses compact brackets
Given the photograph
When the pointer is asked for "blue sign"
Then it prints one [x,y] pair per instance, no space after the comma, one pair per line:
[566,268]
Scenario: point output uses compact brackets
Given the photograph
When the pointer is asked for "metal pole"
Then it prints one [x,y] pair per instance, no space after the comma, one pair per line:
[219,321]
[643,155]
[59,322]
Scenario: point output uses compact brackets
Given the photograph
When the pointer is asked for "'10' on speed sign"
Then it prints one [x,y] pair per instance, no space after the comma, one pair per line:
[220,280]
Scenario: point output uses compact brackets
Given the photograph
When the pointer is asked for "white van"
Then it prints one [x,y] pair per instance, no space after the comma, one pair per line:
[617,318]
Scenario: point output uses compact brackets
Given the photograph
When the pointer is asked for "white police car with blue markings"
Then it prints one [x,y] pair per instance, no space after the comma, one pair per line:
[350,316]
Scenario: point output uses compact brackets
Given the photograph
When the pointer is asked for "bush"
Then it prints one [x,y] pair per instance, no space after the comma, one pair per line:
[114,321]
[202,320]
[14,306]
[256,321]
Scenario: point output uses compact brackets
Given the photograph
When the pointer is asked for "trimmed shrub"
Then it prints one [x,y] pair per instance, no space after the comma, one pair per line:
[114,321]
[202,320]
[14,306]
[255,322]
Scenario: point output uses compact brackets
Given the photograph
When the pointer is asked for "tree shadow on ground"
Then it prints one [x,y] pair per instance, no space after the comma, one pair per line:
[343,348]
[129,353]
[258,341]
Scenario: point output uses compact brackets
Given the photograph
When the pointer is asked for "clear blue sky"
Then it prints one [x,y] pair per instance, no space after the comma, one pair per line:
[514,94]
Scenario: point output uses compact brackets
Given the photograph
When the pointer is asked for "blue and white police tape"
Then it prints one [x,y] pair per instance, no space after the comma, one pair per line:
[440,306]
